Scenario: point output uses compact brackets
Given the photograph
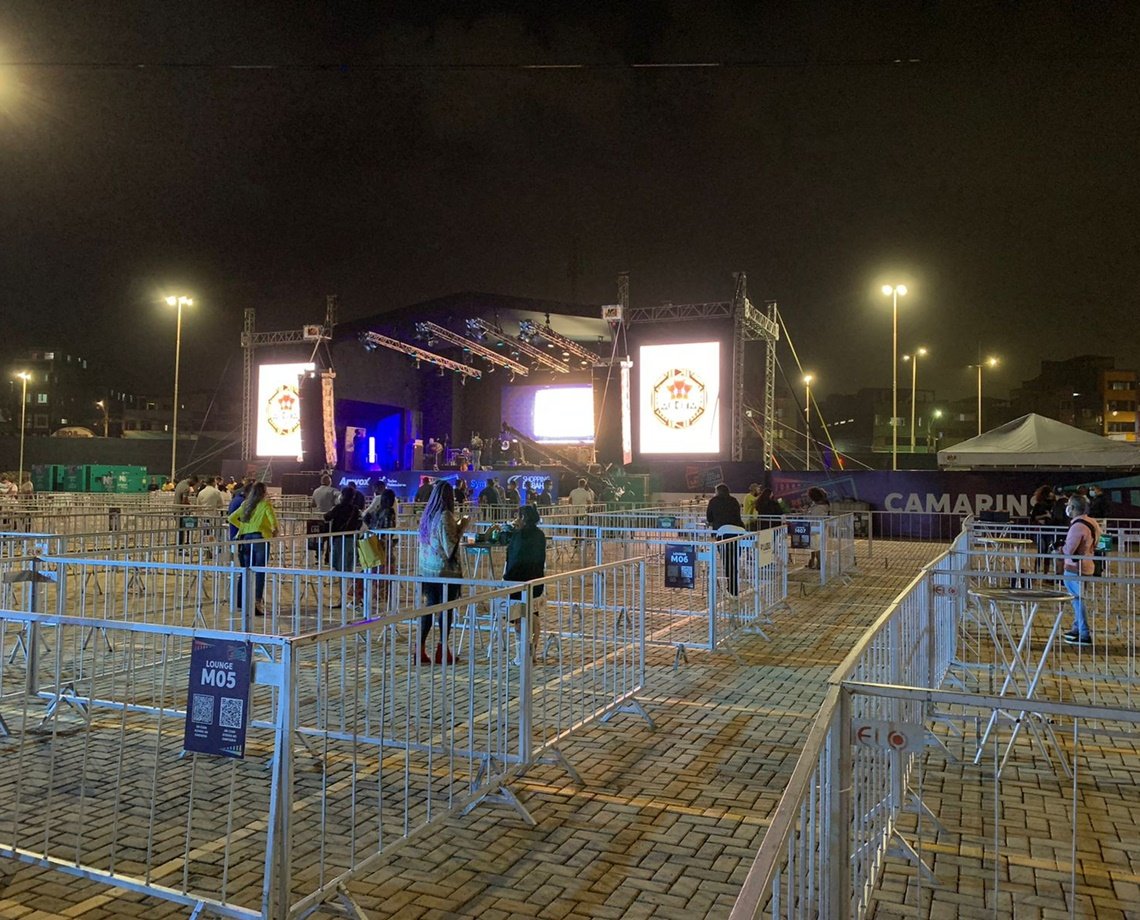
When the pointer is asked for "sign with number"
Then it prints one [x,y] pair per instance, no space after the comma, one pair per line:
[217,705]
[799,534]
[667,522]
[680,565]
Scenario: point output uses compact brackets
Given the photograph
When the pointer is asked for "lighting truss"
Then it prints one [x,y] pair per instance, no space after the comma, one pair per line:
[373,340]
[482,327]
[530,329]
[482,351]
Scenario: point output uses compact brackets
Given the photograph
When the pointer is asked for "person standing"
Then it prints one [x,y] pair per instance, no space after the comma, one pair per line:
[767,508]
[581,498]
[441,530]
[344,520]
[27,490]
[512,499]
[460,493]
[1098,502]
[818,506]
[256,522]
[324,496]
[541,496]
[1079,548]
[184,491]
[423,493]
[476,451]
[526,561]
[748,512]
[723,516]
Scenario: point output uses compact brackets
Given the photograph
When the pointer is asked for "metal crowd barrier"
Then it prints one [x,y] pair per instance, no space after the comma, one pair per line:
[365,747]
[962,678]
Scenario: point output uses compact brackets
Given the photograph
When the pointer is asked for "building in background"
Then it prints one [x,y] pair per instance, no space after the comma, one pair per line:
[1088,392]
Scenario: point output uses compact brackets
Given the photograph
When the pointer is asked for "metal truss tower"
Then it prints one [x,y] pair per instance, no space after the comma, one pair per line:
[251,340]
[748,325]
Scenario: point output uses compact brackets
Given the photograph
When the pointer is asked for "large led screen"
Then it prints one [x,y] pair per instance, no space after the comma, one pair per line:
[551,414]
[279,409]
[678,388]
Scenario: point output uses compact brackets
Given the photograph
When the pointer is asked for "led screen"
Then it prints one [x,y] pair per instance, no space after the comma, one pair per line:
[279,410]
[678,389]
[553,415]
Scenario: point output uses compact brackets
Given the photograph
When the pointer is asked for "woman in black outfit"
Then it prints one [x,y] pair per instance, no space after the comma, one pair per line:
[526,561]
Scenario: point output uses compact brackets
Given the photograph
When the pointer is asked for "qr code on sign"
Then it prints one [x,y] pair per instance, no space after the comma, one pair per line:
[203,710]
[230,716]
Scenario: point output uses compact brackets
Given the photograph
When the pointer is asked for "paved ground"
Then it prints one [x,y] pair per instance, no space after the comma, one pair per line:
[668,821]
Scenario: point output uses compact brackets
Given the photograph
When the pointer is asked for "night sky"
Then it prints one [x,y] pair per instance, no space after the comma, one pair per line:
[265,154]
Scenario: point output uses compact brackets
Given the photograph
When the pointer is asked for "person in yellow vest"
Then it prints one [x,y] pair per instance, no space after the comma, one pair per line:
[256,522]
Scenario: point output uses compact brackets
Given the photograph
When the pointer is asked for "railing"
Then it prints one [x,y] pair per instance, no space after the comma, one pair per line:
[857,797]
[366,746]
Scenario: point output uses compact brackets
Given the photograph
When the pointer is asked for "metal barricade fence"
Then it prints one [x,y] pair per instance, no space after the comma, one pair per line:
[366,747]
[837,548]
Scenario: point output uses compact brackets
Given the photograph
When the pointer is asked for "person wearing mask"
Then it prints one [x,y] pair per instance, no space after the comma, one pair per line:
[344,519]
[526,561]
[256,522]
[1098,503]
[1080,545]
[441,530]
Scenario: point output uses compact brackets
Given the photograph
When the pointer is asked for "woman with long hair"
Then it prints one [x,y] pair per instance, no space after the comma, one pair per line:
[344,521]
[256,522]
[441,530]
[381,515]
[526,561]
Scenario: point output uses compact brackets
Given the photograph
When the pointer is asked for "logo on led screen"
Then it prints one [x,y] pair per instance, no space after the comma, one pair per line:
[679,398]
[283,410]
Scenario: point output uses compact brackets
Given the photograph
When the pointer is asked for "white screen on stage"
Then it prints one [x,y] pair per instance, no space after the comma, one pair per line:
[678,389]
[564,414]
[279,409]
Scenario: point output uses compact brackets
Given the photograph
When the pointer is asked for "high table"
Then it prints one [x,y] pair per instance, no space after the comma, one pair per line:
[997,551]
[1015,648]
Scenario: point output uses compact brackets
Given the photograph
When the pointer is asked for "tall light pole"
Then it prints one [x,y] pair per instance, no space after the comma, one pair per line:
[807,421]
[989,362]
[178,302]
[913,359]
[894,291]
[24,378]
[102,405]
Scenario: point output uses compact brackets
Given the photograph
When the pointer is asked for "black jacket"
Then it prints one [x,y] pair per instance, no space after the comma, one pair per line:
[526,557]
[722,510]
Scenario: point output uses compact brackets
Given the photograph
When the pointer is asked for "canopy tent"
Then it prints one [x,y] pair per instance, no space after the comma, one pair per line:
[1036,441]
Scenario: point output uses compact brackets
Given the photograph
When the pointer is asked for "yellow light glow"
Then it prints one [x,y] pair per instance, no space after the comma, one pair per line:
[901,288]
[888,290]
[808,378]
[992,362]
[921,352]
[23,375]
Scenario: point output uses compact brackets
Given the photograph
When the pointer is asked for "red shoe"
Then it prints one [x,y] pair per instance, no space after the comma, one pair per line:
[424,657]
[442,654]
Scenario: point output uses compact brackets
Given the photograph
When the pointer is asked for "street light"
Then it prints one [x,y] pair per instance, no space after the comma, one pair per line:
[102,405]
[913,359]
[24,377]
[178,302]
[989,362]
[807,421]
[894,291]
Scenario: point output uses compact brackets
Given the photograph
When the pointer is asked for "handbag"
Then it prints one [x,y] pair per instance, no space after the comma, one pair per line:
[371,551]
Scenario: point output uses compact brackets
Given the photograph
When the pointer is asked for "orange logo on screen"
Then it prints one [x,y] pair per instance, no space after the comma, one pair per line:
[679,398]
[283,410]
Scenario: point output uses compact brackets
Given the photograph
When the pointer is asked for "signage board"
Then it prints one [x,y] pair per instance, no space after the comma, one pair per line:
[217,703]
[799,534]
[279,409]
[765,546]
[680,565]
[904,737]
[679,398]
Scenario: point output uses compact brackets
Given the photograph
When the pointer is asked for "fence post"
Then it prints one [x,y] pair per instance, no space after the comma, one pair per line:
[839,819]
[713,591]
[526,681]
[31,675]
[278,844]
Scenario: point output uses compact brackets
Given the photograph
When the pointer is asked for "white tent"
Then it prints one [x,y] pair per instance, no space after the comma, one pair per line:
[1035,441]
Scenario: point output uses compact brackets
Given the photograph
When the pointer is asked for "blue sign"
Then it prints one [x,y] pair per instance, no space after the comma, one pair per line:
[799,534]
[680,565]
[217,705]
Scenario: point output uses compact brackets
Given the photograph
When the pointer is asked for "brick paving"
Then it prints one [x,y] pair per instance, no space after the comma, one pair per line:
[668,821]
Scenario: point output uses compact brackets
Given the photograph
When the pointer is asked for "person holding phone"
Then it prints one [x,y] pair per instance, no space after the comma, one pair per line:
[441,531]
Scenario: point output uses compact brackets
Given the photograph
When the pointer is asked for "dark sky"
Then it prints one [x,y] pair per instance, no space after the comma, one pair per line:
[985,153]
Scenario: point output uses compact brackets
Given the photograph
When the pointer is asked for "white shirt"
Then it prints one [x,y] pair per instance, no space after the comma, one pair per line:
[580,496]
[210,498]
